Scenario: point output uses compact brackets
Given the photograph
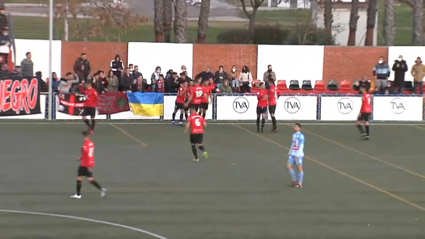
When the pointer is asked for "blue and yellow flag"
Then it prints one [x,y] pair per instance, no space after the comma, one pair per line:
[146,104]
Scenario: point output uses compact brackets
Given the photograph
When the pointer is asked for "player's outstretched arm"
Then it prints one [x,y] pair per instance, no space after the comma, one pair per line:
[187,127]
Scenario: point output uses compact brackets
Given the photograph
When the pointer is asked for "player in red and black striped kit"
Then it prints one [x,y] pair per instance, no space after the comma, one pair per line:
[92,100]
[272,94]
[365,112]
[86,167]
[262,107]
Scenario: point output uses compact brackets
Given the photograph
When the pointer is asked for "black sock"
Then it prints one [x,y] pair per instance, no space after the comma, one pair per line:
[263,122]
[174,116]
[258,123]
[93,123]
[181,117]
[79,187]
[186,115]
[367,130]
[195,152]
[274,122]
[201,147]
[87,122]
[360,129]
[96,184]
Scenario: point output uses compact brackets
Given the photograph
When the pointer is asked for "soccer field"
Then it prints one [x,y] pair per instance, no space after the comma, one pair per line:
[352,188]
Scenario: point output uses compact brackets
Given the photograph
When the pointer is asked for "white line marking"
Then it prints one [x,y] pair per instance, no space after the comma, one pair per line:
[84,219]
[209,122]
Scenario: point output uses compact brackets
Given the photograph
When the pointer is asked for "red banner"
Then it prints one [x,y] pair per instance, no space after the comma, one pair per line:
[112,103]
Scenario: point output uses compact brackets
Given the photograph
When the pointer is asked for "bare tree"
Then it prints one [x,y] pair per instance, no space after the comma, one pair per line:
[389,24]
[180,21]
[168,19]
[158,19]
[371,21]
[293,4]
[417,22]
[255,4]
[328,17]
[204,14]
[354,17]
[102,19]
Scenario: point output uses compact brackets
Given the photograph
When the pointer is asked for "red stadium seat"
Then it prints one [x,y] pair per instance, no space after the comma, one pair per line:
[320,86]
[345,86]
[281,85]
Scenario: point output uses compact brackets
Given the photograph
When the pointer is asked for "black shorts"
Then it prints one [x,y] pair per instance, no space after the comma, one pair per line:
[261,110]
[84,172]
[89,111]
[179,106]
[363,117]
[272,109]
[196,138]
[195,106]
[204,106]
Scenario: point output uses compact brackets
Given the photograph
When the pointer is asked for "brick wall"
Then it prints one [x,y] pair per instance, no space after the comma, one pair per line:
[226,55]
[100,54]
[350,63]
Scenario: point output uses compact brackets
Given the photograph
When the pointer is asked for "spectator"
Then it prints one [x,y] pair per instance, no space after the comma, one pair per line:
[131,66]
[138,85]
[4,22]
[160,84]
[212,85]
[364,82]
[267,75]
[170,82]
[220,76]
[183,68]
[225,88]
[97,84]
[55,82]
[381,71]
[112,82]
[82,67]
[42,84]
[154,78]
[399,68]
[136,72]
[234,79]
[126,81]
[245,79]
[66,83]
[5,46]
[16,74]
[27,67]
[117,66]
[102,78]
[205,75]
[418,73]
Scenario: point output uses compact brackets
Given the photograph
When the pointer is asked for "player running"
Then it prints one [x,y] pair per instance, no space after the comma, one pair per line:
[197,124]
[86,167]
[272,94]
[196,95]
[296,155]
[262,107]
[206,99]
[365,112]
[180,102]
[92,99]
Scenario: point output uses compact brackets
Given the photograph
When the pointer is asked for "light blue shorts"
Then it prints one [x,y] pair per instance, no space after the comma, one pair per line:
[298,162]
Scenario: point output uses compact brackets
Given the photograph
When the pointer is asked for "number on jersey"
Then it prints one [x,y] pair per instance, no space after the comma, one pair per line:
[296,145]
[199,93]
[198,122]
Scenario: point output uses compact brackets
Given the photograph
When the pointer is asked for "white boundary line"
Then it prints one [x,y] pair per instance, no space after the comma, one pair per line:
[209,122]
[84,219]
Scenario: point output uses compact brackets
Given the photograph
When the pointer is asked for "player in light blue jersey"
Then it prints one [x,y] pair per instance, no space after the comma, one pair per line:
[296,157]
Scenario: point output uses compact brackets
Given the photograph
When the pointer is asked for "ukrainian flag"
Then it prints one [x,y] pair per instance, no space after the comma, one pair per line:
[146,104]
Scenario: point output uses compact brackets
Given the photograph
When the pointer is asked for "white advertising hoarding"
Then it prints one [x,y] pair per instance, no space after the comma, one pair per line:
[236,107]
[296,108]
[33,116]
[169,103]
[340,108]
[398,108]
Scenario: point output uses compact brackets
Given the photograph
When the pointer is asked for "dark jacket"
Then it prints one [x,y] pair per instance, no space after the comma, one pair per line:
[117,66]
[126,82]
[170,86]
[220,77]
[98,85]
[205,75]
[360,83]
[4,21]
[78,68]
[399,68]
[136,88]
